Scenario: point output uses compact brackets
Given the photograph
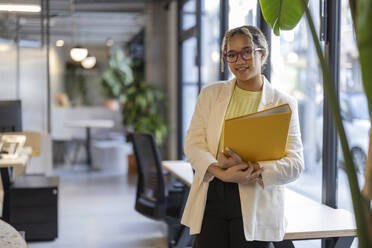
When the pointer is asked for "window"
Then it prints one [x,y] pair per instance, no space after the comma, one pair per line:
[210,41]
[295,70]
[354,109]
[197,71]
[190,89]
[188,14]
[242,12]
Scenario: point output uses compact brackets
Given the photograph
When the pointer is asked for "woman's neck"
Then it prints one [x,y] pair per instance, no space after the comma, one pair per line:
[253,84]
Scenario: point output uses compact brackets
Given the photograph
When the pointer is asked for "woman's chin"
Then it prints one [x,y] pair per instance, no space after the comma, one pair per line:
[243,77]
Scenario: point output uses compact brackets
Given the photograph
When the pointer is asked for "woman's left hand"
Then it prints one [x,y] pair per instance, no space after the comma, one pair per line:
[257,167]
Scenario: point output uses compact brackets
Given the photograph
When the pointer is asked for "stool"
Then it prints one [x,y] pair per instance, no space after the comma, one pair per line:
[109,154]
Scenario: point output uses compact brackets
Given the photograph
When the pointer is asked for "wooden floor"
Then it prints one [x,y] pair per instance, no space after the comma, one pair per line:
[96,210]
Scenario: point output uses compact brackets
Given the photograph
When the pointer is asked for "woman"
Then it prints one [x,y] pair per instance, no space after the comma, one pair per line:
[234,203]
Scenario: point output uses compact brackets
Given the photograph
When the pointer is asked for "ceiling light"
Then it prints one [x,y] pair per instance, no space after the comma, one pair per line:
[89,62]
[5,47]
[109,43]
[78,53]
[60,43]
[20,8]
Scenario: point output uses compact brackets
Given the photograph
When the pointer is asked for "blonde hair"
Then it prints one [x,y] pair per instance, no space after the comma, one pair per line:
[253,33]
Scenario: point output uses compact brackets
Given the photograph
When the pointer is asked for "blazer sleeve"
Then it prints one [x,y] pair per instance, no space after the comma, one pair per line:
[196,146]
[290,167]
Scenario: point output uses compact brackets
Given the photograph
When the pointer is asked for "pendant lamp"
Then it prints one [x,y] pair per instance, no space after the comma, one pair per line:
[89,62]
[78,53]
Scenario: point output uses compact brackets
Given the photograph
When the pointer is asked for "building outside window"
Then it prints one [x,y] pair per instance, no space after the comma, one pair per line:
[295,70]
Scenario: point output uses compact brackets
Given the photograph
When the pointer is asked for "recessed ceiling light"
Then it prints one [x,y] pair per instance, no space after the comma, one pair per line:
[60,43]
[20,8]
[109,43]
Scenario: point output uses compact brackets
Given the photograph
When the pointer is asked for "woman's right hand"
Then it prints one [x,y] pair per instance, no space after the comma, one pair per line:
[225,162]
[242,173]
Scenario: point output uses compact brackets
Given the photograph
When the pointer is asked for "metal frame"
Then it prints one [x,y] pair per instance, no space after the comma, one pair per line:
[180,38]
[47,7]
[329,187]
[198,41]
[331,36]
[266,30]
[183,35]
[224,25]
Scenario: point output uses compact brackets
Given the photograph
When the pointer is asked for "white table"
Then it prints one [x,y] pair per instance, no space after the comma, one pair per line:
[88,124]
[21,160]
[9,237]
[307,219]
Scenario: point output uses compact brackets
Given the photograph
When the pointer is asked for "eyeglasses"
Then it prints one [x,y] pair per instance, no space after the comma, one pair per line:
[246,54]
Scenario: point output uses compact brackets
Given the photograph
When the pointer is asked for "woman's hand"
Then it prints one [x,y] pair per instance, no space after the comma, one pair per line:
[227,162]
[243,173]
[235,170]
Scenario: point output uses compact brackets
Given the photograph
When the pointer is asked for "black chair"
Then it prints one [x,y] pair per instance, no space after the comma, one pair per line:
[155,198]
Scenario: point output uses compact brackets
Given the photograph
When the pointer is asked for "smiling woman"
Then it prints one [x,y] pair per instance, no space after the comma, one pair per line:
[222,207]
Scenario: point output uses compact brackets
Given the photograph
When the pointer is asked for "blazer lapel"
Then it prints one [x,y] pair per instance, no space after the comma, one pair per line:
[219,112]
[267,95]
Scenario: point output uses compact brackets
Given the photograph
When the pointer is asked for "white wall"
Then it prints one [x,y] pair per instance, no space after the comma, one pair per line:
[8,62]
[32,84]
[33,89]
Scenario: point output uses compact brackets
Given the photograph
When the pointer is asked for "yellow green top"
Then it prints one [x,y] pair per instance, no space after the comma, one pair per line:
[242,102]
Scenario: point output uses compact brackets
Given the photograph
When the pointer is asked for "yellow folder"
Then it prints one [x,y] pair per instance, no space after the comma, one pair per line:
[259,136]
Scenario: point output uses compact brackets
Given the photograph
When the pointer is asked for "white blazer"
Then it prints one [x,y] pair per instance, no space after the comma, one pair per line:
[262,208]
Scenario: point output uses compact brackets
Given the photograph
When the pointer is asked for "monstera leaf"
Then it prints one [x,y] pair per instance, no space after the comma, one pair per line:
[282,14]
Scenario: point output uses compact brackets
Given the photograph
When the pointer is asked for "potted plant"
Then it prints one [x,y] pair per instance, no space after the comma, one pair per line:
[140,101]
[75,84]
[116,78]
[141,113]
[280,18]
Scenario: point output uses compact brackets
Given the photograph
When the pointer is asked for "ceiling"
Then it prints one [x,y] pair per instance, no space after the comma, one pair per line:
[85,22]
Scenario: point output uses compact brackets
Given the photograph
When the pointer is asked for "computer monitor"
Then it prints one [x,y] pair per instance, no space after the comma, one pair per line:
[10,116]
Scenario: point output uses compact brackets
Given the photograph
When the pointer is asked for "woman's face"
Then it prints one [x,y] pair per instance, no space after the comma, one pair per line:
[244,70]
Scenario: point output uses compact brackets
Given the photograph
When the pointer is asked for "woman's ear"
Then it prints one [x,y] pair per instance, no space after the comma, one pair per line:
[263,55]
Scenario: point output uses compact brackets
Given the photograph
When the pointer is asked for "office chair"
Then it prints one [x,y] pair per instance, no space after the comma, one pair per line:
[155,199]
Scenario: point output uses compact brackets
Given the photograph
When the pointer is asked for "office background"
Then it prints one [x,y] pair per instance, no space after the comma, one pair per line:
[179,43]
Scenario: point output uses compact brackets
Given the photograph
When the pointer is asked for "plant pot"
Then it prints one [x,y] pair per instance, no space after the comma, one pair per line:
[112,104]
[132,165]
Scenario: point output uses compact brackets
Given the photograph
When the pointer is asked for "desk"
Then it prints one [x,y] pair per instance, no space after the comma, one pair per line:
[5,164]
[307,219]
[88,124]
[9,237]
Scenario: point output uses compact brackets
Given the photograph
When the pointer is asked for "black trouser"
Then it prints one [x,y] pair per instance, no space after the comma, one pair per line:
[222,225]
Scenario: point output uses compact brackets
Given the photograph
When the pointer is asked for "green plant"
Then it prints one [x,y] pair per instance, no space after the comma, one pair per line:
[285,14]
[141,110]
[75,84]
[118,76]
[140,100]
